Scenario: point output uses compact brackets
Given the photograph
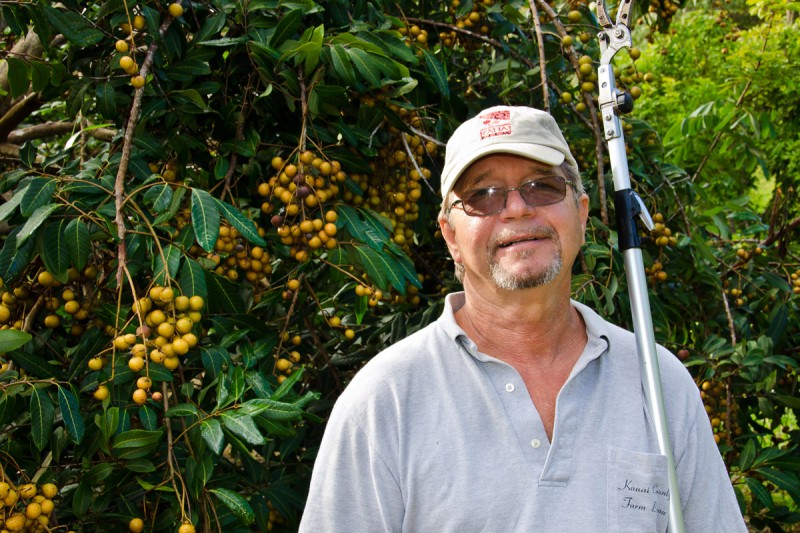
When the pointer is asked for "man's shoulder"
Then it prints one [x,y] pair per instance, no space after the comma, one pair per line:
[409,359]
[623,344]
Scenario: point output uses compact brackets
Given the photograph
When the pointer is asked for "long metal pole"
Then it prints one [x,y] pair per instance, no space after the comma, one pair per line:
[628,207]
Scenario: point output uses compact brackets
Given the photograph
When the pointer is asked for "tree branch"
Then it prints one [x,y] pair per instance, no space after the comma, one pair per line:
[53,129]
[127,146]
[17,113]
[542,63]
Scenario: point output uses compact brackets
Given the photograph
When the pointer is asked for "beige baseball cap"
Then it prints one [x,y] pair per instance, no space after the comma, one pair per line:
[522,131]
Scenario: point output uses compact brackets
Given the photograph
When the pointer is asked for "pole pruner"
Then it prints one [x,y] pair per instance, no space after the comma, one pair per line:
[629,206]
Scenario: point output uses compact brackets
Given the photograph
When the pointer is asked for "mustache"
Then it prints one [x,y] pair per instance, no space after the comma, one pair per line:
[509,235]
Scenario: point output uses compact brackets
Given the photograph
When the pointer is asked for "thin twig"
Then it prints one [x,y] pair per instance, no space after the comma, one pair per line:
[127,147]
[537,24]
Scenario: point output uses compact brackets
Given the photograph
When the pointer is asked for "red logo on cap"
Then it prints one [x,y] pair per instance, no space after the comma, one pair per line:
[495,123]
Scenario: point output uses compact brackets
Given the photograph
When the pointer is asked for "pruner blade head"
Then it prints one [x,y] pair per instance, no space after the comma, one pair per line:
[602,15]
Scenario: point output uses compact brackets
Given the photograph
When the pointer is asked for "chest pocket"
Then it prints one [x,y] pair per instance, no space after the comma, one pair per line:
[637,492]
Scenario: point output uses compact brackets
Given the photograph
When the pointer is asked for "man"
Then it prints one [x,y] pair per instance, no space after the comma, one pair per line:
[518,409]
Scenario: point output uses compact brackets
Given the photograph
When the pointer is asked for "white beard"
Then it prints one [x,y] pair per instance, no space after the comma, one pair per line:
[526,279]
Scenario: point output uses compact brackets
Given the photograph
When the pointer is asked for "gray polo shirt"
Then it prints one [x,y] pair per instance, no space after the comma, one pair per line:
[434,436]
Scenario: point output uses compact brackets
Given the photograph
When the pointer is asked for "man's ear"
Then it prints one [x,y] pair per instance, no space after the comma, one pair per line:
[449,234]
[583,214]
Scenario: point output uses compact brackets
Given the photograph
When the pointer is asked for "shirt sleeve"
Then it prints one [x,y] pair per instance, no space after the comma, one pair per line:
[709,502]
[352,487]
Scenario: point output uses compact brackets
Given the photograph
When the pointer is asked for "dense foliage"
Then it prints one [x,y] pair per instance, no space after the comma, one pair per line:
[215,211]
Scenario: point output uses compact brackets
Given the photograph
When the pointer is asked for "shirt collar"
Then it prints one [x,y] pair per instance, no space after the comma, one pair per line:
[597,330]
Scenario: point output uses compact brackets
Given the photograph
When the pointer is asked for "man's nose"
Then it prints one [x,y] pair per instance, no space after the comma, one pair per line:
[516,205]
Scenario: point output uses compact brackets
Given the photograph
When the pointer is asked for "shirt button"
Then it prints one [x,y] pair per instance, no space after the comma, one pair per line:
[535,443]
[509,387]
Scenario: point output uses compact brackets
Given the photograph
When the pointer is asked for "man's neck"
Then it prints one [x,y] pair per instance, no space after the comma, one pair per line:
[529,327]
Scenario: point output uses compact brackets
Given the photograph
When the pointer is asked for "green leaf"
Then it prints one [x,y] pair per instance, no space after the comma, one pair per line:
[166,264]
[192,279]
[223,295]
[182,409]
[34,364]
[18,78]
[211,26]
[760,492]
[140,465]
[287,26]
[71,414]
[54,250]
[270,409]
[13,258]
[40,75]
[8,208]
[205,219]
[160,196]
[106,99]
[78,242]
[375,265]
[211,431]
[366,66]
[42,417]
[748,456]
[36,219]
[74,27]
[39,192]
[236,503]
[136,438]
[11,339]
[438,73]
[342,65]
[243,426]
[286,386]
[246,227]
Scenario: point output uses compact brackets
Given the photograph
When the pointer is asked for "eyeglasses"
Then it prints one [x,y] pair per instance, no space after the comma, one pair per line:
[491,200]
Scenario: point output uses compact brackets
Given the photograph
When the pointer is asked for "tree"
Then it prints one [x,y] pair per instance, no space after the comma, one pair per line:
[215,212]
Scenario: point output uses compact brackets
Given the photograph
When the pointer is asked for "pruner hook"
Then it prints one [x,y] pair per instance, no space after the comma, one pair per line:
[614,37]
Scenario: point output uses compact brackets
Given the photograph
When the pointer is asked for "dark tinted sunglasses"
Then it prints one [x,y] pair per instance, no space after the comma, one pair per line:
[492,200]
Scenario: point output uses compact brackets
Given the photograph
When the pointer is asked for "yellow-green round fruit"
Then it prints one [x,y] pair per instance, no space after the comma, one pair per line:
[136,363]
[137,82]
[139,396]
[49,490]
[126,63]
[574,16]
[196,303]
[101,393]
[122,46]
[138,22]
[175,10]
[186,528]
[136,525]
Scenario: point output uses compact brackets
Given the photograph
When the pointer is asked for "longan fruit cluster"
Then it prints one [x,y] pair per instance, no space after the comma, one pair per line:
[274,517]
[26,507]
[665,9]
[476,21]
[233,257]
[13,304]
[286,364]
[167,334]
[295,197]
[716,405]
[794,280]
[61,302]
[415,37]
[394,188]
[661,234]
[123,47]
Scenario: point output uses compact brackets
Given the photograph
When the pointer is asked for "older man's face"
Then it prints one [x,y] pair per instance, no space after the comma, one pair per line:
[522,246]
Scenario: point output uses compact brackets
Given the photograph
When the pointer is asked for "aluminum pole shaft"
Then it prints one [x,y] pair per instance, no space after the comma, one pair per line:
[640,304]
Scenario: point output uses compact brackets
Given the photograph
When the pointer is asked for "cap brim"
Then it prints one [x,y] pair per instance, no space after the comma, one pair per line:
[535,152]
